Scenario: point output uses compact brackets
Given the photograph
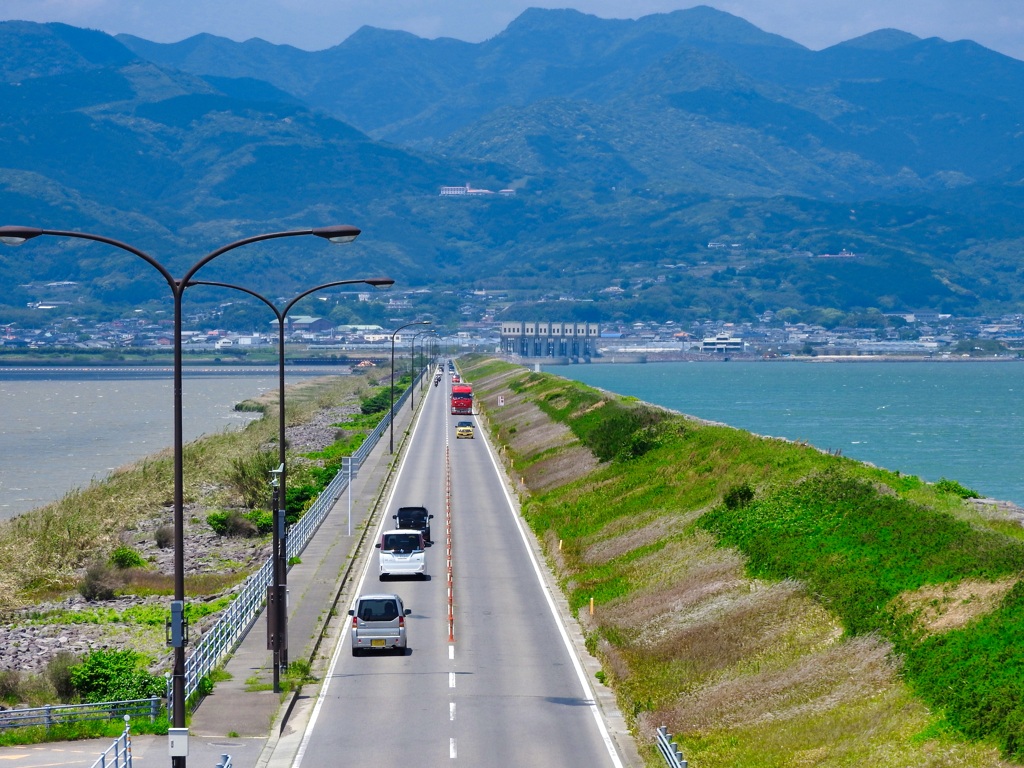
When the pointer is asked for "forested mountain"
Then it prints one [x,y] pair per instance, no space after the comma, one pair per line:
[631,146]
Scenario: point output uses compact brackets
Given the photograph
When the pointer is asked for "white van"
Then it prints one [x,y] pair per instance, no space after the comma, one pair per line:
[402,553]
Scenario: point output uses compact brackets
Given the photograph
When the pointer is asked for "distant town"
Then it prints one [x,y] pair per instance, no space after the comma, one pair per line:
[915,335]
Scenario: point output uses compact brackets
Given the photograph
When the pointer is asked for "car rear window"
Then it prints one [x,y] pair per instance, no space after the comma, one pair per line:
[377,610]
[413,519]
[400,542]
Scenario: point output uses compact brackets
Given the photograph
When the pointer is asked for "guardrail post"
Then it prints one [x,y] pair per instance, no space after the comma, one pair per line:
[48,715]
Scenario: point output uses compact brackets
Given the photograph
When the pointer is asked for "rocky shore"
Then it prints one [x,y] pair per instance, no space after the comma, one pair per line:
[33,636]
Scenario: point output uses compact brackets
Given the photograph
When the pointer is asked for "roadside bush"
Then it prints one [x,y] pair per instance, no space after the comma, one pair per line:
[115,676]
[10,686]
[58,672]
[165,536]
[378,402]
[232,523]
[125,557]
[100,583]
[250,477]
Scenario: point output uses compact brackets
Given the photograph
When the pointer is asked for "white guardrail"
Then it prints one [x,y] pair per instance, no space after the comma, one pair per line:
[118,754]
[222,638]
[669,749]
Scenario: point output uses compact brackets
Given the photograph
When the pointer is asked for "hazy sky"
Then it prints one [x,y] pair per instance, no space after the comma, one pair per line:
[318,24]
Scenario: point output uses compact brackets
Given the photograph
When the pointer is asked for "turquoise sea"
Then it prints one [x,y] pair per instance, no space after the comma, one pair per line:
[959,420]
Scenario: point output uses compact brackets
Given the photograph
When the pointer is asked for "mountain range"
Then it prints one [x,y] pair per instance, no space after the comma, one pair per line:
[679,166]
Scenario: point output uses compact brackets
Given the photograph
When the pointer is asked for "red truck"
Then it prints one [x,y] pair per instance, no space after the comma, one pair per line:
[462,399]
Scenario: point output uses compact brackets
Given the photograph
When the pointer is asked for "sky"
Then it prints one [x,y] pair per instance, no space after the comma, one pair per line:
[317,24]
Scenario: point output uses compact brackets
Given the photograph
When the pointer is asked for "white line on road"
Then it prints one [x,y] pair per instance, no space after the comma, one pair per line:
[588,692]
[451,711]
[451,679]
[453,751]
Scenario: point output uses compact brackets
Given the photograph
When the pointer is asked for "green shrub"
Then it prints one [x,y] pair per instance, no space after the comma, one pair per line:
[164,536]
[250,477]
[115,676]
[738,496]
[99,583]
[58,672]
[125,557]
[953,487]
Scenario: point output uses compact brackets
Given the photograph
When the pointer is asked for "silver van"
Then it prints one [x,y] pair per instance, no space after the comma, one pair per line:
[378,624]
[402,553]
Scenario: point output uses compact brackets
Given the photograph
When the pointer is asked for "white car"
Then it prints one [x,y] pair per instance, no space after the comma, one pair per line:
[402,553]
[378,624]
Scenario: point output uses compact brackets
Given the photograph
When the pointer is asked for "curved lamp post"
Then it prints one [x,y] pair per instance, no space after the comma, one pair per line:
[412,368]
[13,235]
[427,355]
[391,443]
[277,620]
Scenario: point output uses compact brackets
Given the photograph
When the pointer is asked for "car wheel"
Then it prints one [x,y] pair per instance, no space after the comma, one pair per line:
[356,652]
[383,577]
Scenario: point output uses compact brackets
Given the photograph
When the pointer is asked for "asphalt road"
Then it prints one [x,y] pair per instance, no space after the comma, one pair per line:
[493,683]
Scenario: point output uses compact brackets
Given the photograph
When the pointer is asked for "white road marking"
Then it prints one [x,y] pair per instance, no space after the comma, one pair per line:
[451,653]
[451,679]
[451,711]
[588,692]
[453,751]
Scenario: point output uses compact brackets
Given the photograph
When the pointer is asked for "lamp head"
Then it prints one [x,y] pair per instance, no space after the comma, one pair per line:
[379,282]
[17,235]
[341,233]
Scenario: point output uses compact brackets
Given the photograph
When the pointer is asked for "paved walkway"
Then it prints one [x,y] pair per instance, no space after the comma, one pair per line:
[243,717]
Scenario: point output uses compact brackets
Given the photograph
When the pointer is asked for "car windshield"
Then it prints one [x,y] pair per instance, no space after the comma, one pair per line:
[400,542]
[378,609]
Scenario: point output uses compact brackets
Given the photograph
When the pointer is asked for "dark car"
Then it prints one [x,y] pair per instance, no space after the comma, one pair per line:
[415,518]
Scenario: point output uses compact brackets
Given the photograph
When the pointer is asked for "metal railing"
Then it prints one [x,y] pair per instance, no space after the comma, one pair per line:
[223,637]
[72,713]
[120,752]
[669,749]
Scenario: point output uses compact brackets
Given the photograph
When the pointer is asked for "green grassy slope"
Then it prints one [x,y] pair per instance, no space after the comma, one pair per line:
[772,604]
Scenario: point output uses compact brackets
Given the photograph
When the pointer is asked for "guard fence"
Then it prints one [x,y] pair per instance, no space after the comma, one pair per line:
[669,749]
[74,713]
[118,754]
[221,639]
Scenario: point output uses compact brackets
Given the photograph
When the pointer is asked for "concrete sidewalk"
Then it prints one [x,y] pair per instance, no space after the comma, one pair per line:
[243,717]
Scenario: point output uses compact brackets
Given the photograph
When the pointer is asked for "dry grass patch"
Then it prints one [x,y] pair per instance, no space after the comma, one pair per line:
[754,626]
[676,594]
[939,608]
[626,534]
[812,684]
[560,468]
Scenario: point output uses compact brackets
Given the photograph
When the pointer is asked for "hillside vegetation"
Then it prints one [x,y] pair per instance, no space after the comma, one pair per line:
[770,603]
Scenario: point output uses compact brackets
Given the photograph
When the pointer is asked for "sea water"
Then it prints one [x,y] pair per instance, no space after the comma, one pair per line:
[60,430]
[958,420]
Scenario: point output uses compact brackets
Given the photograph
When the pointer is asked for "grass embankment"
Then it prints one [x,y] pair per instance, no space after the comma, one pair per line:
[772,604]
[43,552]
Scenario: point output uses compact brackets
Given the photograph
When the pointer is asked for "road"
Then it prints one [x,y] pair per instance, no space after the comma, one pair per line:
[493,683]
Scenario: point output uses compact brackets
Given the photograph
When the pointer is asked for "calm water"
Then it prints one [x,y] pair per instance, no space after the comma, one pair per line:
[59,431]
[963,421]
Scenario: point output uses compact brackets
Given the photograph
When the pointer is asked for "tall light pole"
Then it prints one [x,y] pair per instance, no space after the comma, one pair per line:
[427,355]
[391,420]
[13,235]
[277,615]
[412,369]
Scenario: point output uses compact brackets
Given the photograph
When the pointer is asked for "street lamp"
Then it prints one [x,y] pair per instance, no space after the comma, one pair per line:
[277,617]
[412,369]
[428,354]
[391,444]
[13,235]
